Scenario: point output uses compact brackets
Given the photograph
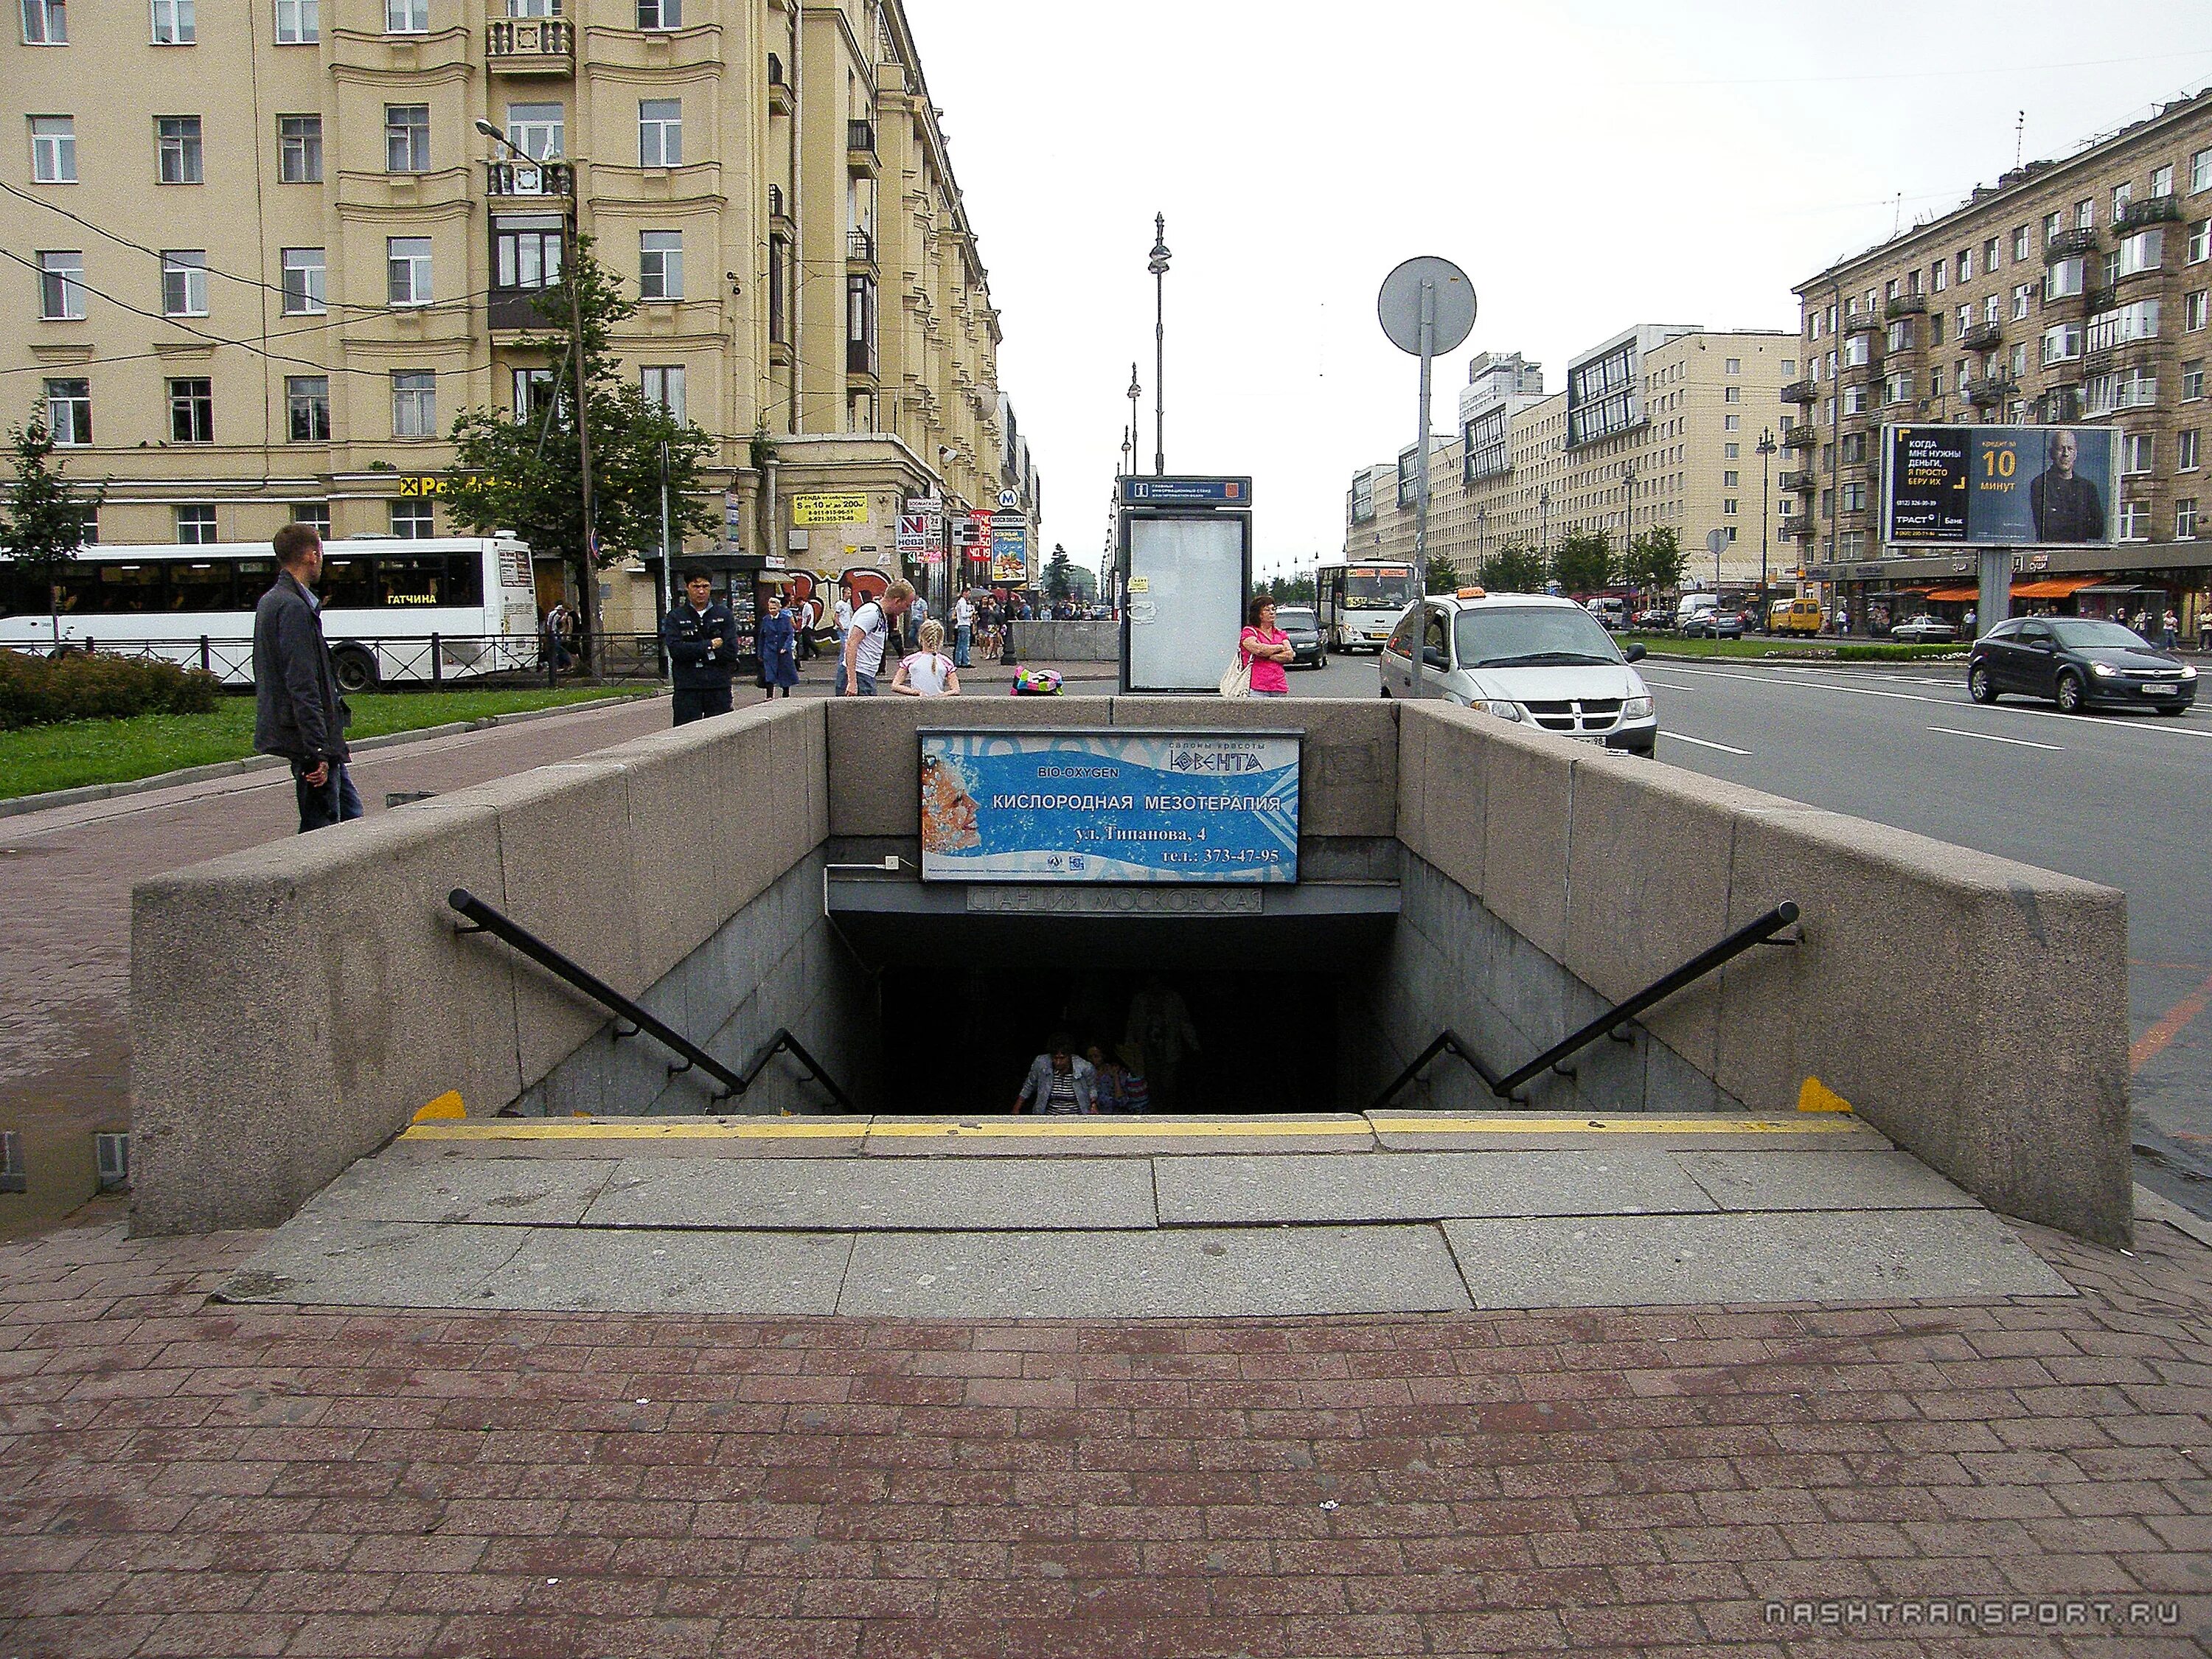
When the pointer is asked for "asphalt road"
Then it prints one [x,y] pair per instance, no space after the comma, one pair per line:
[2121,799]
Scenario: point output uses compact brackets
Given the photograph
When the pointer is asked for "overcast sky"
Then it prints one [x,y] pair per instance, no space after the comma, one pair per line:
[1589,163]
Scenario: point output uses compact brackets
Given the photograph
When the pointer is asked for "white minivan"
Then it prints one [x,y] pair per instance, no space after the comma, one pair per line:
[1528,658]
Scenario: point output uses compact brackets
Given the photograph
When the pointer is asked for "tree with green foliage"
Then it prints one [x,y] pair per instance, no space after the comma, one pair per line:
[1583,562]
[1291,590]
[1515,568]
[1654,561]
[43,519]
[1057,581]
[524,472]
[1444,574]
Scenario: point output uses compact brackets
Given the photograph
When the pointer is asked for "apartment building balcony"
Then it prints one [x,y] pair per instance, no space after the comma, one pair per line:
[779,89]
[529,45]
[1863,322]
[2158,211]
[860,146]
[860,360]
[530,179]
[860,250]
[1799,525]
[2082,239]
[2096,300]
[1905,305]
[1800,436]
[1990,390]
[1868,370]
[514,309]
[2058,406]
[1800,392]
[1982,336]
[778,209]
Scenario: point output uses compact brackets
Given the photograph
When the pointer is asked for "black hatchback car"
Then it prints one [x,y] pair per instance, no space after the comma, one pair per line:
[1303,629]
[2078,662]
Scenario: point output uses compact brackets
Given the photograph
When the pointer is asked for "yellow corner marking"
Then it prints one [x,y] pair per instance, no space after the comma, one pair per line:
[1107,1128]
[1627,1126]
[541,1129]
[445,1108]
[1814,1096]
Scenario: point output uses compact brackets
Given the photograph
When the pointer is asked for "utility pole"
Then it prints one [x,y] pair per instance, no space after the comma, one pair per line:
[667,557]
[1159,267]
[1134,446]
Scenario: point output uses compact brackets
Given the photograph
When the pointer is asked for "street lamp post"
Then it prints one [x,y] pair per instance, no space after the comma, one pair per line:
[1159,267]
[1482,545]
[1135,445]
[1766,453]
[1628,519]
[571,271]
[1543,526]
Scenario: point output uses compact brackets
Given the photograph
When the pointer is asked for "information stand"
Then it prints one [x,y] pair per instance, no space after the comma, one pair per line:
[1185,551]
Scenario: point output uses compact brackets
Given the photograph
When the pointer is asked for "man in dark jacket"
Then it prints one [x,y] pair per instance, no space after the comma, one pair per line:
[701,637]
[2067,506]
[297,711]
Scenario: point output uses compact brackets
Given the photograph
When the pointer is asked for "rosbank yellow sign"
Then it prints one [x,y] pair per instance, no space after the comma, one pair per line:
[842,508]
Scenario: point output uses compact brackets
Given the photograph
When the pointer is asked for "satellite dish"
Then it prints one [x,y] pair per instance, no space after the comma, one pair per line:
[1400,305]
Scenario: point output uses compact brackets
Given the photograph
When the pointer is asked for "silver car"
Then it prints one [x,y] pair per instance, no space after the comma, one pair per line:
[1525,657]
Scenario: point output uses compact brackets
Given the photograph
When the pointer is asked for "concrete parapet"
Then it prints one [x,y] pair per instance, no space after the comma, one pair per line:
[1064,641]
[875,757]
[1348,780]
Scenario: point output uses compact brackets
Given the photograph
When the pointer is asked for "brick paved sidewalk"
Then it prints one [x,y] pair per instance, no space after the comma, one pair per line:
[179,1477]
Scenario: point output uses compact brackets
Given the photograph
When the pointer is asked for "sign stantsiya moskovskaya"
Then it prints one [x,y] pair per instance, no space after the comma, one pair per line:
[1109,806]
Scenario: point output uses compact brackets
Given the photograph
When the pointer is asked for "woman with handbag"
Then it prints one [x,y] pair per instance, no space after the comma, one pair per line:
[1262,649]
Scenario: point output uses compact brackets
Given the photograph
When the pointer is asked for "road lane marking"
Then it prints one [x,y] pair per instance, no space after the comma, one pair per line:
[1991,737]
[2147,1046]
[2164,727]
[1701,743]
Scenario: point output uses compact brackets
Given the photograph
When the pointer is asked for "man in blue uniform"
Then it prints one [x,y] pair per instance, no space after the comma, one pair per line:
[701,637]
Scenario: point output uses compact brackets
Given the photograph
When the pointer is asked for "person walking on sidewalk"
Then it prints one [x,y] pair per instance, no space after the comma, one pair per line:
[297,710]
[861,657]
[701,637]
[779,647]
[964,629]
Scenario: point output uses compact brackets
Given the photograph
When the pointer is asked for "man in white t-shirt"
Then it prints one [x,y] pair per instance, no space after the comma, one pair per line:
[866,635]
[964,629]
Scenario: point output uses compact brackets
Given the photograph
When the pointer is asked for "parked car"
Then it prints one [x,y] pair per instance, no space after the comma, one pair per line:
[1654,619]
[1303,629]
[2078,662]
[1528,658]
[1923,630]
[1611,614]
[1712,625]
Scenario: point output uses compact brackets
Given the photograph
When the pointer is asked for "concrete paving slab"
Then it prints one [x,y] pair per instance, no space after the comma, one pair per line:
[1785,1179]
[1621,1179]
[1810,1257]
[597,1269]
[1194,1273]
[1461,1131]
[879,1194]
[992,1135]
[511,1191]
[318,1258]
[639,1137]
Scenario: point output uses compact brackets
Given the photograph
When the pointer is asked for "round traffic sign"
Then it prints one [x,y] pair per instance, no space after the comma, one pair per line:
[1452,318]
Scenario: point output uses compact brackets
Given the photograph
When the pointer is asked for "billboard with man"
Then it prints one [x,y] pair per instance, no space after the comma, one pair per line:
[1998,486]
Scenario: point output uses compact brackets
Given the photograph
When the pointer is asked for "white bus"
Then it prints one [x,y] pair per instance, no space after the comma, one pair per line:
[1360,603]
[444,608]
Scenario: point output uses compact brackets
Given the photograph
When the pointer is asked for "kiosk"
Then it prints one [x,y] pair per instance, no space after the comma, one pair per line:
[1185,550]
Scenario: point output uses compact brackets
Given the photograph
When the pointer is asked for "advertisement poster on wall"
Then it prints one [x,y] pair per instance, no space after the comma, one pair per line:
[1109,806]
[1998,486]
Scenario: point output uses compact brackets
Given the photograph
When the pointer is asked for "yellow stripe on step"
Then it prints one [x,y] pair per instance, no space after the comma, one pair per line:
[547,1128]
[1628,1126]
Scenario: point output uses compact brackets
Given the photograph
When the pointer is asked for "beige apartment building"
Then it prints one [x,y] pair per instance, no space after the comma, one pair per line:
[1659,427]
[262,258]
[2070,292]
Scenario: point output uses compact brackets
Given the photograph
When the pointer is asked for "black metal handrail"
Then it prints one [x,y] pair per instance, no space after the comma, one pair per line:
[483,919]
[1756,932]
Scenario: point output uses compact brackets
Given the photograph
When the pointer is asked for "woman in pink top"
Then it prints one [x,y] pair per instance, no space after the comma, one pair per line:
[1267,646]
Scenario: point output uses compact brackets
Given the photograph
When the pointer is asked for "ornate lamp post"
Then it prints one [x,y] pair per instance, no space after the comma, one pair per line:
[1766,454]
[1159,267]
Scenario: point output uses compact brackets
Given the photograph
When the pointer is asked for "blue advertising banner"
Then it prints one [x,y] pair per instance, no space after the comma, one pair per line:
[1109,806]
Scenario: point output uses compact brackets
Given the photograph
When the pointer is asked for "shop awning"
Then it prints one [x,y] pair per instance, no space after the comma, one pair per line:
[2053,587]
[1954,595]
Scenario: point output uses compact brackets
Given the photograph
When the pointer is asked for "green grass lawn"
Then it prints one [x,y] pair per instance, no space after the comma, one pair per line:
[68,757]
[1671,645]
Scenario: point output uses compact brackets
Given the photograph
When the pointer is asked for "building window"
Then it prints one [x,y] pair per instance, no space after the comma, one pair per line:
[406,16]
[2135,321]
[183,282]
[1728,480]
[660,132]
[2137,451]
[526,253]
[1898,388]
[307,407]
[2021,245]
[2134,521]
[61,286]
[2200,171]
[177,145]
[861,327]
[299,22]
[406,137]
[2021,293]
[2065,277]
[2185,518]
[664,386]
[1731,422]
[533,393]
[2162,181]
[303,281]
[2122,195]
[661,265]
[2192,379]
[191,411]
[1732,394]
[173,23]
[53,149]
[2184,446]
[2063,343]
[778,256]
[412,519]
[2193,310]
[407,264]
[1990,258]
[1789,366]
[1966,265]
[45,24]
[315,514]
[1935,382]
[660,14]
[1854,497]
[1728,506]
[2140,251]
[300,149]
[69,411]
[2200,241]
[538,131]
[415,404]
[1734,366]
[195,525]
